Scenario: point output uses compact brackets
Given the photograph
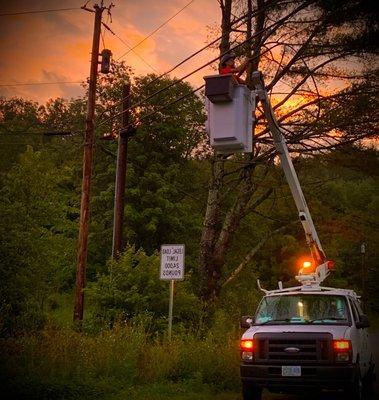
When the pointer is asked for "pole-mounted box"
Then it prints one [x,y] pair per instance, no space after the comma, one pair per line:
[230,114]
[105,63]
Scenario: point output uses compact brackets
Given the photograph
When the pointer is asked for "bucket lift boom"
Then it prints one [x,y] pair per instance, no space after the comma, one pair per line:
[231,110]
[322,266]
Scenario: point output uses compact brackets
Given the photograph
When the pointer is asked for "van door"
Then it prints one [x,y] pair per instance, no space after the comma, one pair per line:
[361,336]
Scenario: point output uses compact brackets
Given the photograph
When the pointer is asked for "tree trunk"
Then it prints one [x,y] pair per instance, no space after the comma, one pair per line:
[305,49]
[259,31]
[217,239]
[209,274]
[226,12]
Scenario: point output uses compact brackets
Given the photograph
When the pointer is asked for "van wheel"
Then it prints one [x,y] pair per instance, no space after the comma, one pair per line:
[369,379]
[251,392]
[355,392]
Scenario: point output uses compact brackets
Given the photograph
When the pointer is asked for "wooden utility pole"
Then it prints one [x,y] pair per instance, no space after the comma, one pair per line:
[87,171]
[119,198]
[364,276]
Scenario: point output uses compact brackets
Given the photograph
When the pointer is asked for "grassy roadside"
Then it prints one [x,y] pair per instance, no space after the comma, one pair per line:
[179,391]
[186,390]
[121,363]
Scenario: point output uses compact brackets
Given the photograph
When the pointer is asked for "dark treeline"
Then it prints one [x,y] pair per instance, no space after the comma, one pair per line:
[167,184]
[234,214]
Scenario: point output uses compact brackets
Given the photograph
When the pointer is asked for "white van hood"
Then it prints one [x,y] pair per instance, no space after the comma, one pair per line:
[338,331]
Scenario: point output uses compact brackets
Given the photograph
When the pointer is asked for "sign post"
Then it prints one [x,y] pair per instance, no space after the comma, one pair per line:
[170,308]
[172,269]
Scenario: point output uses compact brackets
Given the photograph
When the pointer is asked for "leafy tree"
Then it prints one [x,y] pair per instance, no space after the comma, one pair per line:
[301,47]
[342,190]
[161,172]
[130,288]
[37,239]
[19,126]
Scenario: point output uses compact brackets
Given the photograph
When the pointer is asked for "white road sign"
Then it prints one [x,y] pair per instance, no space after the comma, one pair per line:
[172,262]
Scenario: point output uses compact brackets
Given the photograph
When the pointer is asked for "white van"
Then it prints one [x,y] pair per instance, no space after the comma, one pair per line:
[306,338]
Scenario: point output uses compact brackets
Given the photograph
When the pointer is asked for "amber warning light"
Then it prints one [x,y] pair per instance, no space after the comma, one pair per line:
[307,264]
[306,268]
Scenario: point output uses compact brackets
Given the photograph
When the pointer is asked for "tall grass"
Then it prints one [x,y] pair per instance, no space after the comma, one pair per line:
[63,363]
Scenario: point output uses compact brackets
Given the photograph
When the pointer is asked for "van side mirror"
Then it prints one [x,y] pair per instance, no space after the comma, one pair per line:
[363,322]
[246,322]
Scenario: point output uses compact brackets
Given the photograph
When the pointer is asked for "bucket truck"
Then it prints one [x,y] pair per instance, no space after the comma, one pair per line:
[302,338]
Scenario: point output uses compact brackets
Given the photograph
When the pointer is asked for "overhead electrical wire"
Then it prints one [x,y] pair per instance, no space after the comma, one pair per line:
[14,144]
[196,70]
[37,11]
[164,89]
[40,134]
[156,30]
[185,96]
[145,117]
[181,79]
[188,58]
[127,45]
[107,27]
[250,15]
[170,104]
[40,83]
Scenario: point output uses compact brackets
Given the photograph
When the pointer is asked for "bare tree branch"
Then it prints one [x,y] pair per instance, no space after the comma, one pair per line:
[250,255]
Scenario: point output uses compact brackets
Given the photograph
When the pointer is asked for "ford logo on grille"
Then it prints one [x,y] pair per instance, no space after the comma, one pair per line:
[291,350]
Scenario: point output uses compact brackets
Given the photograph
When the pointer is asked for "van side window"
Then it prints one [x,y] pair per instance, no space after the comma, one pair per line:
[359,308]
[354,309]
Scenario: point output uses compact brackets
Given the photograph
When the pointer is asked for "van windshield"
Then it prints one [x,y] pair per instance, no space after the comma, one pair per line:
[303,309]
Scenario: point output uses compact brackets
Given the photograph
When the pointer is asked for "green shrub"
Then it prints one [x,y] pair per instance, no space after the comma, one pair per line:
[131,288]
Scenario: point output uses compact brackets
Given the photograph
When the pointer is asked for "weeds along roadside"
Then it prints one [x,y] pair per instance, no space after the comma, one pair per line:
[63,363]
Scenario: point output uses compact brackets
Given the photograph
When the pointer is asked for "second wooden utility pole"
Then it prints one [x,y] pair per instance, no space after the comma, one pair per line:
[87,171]
[119,198]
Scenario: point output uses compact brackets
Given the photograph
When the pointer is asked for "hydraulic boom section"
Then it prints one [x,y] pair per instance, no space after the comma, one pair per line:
[318,255]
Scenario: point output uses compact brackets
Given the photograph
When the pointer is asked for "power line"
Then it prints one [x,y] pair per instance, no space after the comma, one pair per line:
[46,133]
[164,23]
[256,12]
[40,83]
[270,29]
[12,133]
[172,103]
[185,60]
[38,11]
[187,75]
[182,97]
[157,29]
[127,45]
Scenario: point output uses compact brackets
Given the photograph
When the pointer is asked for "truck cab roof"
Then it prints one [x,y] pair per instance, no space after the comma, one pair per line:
[312,288]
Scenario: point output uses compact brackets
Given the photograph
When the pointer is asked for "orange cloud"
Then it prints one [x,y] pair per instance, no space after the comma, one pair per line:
[44,47]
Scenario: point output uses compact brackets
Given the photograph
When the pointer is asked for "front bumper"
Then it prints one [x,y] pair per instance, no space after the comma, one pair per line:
[312,376]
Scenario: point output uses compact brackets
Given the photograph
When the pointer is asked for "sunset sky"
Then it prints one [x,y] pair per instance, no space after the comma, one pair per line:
[56,46]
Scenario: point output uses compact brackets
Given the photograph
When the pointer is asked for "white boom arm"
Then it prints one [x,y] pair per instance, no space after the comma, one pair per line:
[322,268]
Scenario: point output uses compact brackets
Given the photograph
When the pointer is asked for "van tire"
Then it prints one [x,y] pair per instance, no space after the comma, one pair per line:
[355,391]
[369,379]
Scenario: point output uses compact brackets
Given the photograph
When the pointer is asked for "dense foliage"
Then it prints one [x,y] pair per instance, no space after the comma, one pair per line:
[166,189]
[249,212]
[319,62]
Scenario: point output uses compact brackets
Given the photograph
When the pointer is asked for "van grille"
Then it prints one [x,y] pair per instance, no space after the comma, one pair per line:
[290,347]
